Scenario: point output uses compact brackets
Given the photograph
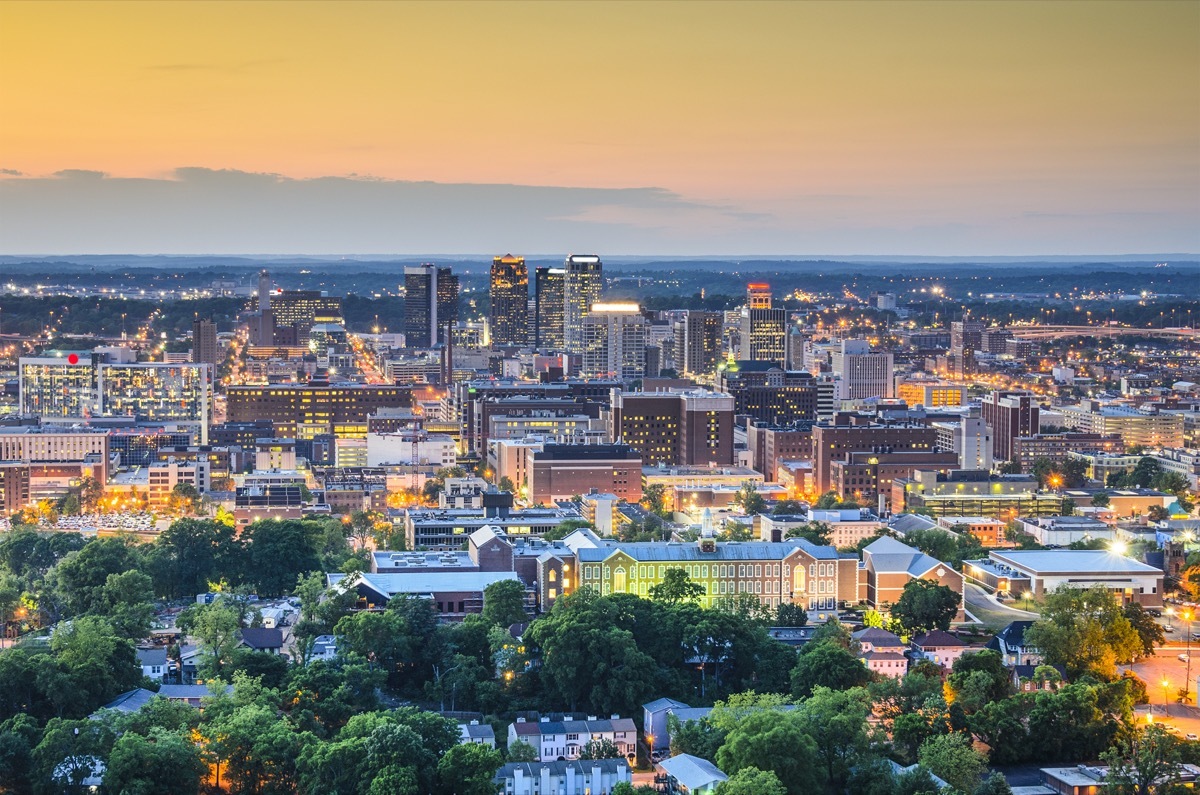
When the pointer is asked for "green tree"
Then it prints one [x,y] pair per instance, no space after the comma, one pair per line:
[829,499]
[788,614]
[1100,499]
[469,769]
[696,737]
[827,665]
[506,484]
[837,722]
[504,603]
[126,600]
[191,553]
[161,763]
[521,751]
[777,742]
[81,576]
[752,781]
[995,784]
[1149,631]
[1143,761]
[1085,631]
[601,748]
[218,628]
[813,532]
[951,758]
[676,587]
[750,501]
[926,605]
[280,551]
[654,499]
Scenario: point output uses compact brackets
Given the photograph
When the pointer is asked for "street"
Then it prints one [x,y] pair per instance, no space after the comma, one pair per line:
[1166,666]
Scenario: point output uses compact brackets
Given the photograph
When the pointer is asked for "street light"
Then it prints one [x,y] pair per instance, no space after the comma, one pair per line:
[1165,686]
[1170,617]
[650,745]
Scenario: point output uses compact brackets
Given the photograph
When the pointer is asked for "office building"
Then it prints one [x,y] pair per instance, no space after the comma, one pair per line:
[763,329]
[677,427]
[771,444]
[974,493]
[613,341]
[970,438]
[1010,414]
[430,304]
[14,487]
[862,374]
[304,411]
[204,343]
[164,476]
[509,314]
[1043,572]
[966,335]
[449,529]
[478,400]
[865,477]
[852,433]
[583,282]
[768,393]
[560,471]
[549,313]
[931,393]
[1055,447]
[157,393]
[1142,427]
[262,324]
[295,312]
[697,343]
[58,386]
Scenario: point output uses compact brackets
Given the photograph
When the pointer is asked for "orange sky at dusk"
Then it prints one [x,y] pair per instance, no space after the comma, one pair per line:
[779,120]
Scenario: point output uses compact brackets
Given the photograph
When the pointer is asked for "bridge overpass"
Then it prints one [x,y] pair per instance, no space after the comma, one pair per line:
[1057,332]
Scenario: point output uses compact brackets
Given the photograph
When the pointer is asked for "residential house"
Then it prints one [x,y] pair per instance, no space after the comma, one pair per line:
[564,740]
[153,662]
[1032,678]
[882,651]
[654,720]
[940,648]
[691,775]
[262,639]
[1010,642]
[585,777]
[478,733]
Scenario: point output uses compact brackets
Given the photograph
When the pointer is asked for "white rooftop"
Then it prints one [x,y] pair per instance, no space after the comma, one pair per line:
[1074,560]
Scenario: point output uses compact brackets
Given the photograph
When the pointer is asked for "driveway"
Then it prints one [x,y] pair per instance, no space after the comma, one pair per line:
[986,610]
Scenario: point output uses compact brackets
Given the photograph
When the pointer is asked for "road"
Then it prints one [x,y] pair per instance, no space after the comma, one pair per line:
[1165,666]
[987,611]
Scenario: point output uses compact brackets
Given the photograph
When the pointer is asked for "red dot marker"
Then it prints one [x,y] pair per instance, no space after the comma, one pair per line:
[73,358]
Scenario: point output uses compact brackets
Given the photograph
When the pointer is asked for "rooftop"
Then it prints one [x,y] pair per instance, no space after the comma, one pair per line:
[1074,560]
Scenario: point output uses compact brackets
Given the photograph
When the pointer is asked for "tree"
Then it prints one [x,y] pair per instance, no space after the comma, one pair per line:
[751,502]
[185,498]
[191,553]
[469,769]
[1149,631]
[827,665]
[836,721]
[601,748]
[1010,468]
[1085,631]
[995,784]
[1100,499]
[925,605]
[774,741]
[1143,761]
[160,763]
[813,532]
[126,600]
[788,614]
[280,551]
[951,758]
[504,603]
[829,499]
[654,499]
[1157,513]
[521,751]
[506,484]
[752,781]
[80,576]
[676,587]
[696,737]
[218,627]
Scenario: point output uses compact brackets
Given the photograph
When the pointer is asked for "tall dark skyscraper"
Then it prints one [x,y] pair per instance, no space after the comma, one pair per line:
[548,309]
[582,285]
[204,342]
[430,304]
[509,315]
[263,327]
[698,342]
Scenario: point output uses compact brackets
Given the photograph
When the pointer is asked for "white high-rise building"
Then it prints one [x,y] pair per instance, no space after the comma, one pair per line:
[614,341]
[862,374]
[582,285]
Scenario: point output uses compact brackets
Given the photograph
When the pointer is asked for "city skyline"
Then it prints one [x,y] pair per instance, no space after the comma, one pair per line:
[722,129]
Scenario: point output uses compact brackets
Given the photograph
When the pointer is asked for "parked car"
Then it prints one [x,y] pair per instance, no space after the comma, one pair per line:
[1183,658]
[1193,737]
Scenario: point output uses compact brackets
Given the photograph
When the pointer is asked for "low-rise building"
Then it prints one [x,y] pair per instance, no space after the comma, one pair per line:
[889,565]
[692,774]
[939,647]
[1061,531]
[990,532]
[1040,572]
[588,777]
[478,733]
[974,493]
[566,739]
[454,594]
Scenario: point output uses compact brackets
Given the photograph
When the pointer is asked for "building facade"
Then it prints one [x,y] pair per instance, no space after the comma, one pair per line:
[509,313]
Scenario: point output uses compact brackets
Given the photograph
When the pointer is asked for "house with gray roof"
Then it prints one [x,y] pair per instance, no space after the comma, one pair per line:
[583,777]
[692,774]
[566,739]
[455,594]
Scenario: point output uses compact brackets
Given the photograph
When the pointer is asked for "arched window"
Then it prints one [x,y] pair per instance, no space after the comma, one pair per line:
[619,579]
[553,577]
[799,583]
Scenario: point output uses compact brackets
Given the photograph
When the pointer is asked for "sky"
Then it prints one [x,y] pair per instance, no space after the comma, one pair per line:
[972,128]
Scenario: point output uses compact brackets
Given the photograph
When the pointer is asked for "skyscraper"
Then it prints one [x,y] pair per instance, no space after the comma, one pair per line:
[430,304]
[510,301]
[614,341]
[548,309]
[582,284]
[264,326]
[862,374]
[697,342]
[204,342]
[764,329]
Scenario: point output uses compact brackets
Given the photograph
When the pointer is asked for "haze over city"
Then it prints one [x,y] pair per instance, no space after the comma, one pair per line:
[628,128]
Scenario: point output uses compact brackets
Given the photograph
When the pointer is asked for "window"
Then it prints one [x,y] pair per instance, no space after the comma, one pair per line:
[619,579]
